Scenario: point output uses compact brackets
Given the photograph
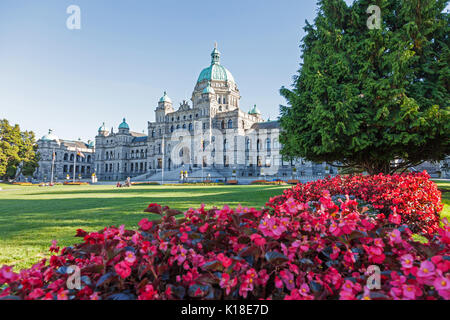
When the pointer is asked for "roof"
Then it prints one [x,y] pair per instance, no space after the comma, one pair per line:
[124,125]
[266,125]
[140,139]
[254,110]
[137,134]
[165,98]
[76,144]
[215,71]
[50,136]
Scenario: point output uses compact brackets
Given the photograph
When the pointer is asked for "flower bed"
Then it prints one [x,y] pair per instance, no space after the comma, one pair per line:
[76,184]
[317,250]
[145,183]
[267,182]
[412,199]
[232,182]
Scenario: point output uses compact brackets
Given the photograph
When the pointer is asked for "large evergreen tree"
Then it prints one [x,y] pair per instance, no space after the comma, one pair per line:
[367,97]
[17,150]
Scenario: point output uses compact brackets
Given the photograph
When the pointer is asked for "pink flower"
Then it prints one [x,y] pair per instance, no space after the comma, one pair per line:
[184,237]
[395,236]
[123,269]
[181,257]
[407,261]
[226,262]
[395,218]
[426,269]
[62,295]
[226,284]
[258,240]
[203,228]
[441,283]
[130,258]
[145,224]
[409,292]
[278,282]
[288,279]
[304,289]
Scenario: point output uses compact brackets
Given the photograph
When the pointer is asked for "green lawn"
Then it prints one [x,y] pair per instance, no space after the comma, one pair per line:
[445,189]
[31,217]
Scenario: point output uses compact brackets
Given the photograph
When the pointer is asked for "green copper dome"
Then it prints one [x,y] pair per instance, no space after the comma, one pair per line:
[102,128]
[215,71]
[50,136]
[165,98]
[124,125]
[254,110]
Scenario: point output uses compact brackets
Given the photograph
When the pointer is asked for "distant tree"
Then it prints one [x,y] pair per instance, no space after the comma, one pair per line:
[372,99]
[17,150]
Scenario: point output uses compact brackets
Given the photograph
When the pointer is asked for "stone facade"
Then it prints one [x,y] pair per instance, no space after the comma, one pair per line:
[210,133]
[65,152]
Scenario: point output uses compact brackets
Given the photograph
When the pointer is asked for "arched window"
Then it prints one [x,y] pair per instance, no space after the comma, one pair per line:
[224,100]
[247,145]
[153,133]
[268,144]
[258,145]
[178,126]
[190,127]
[230,124]
[224,145]
[222,125]
[72,157]
[171,129]
[243,124]
[66,156]
[184,126]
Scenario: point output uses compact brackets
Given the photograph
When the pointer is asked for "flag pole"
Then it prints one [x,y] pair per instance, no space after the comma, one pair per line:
[163,160]
[75,164]
[53,165]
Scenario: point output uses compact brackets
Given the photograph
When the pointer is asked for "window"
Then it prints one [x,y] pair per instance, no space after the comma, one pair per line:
[190,127]
[230,124]
[66,157]
[268,144]
[222,125]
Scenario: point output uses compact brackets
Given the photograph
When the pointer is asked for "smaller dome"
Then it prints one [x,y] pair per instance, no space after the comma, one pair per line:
[165,98]
[102,128]
[50,136]
[254,110]
[209,89]
[91,144]
[124,125]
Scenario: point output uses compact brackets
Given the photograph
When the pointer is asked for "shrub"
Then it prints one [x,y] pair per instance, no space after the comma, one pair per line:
[317,250]
[234,182]
[412,198]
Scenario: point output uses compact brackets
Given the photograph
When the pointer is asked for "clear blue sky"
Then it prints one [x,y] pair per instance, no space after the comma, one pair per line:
[128,52]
